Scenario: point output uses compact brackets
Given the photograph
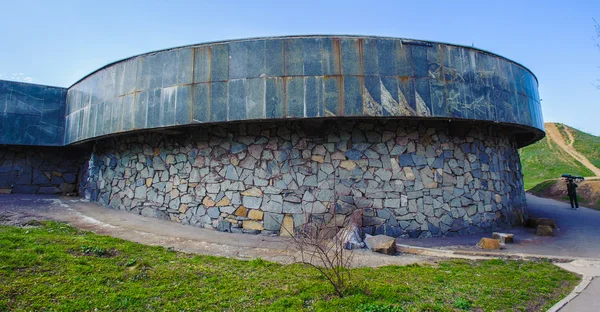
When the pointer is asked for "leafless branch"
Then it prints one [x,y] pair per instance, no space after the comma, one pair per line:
[322,246]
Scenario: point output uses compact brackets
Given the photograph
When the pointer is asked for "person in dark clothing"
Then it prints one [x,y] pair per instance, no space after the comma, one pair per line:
[572,192]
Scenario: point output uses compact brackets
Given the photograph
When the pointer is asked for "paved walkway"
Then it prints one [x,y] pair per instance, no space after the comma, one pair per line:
[151,231]
[577,235]
[577,238]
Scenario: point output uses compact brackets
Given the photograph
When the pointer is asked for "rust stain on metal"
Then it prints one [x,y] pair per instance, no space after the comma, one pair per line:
[337,61]
[135,94]
[361,82]
[192,88]
[341,97]
[209,62]
[337,54]
[361,55]
[284,80]
[209,83]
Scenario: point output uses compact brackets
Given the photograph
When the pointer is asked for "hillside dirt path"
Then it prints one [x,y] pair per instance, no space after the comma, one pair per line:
[554,135]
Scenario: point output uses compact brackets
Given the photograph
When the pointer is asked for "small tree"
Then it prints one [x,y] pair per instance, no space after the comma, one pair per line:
[323,246]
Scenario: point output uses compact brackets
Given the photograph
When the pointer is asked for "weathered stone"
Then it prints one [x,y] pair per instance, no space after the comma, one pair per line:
[544,221]
[318,158]
[224,226]
[208,202]
[290,207]
[225,201]
[544,230]
[213,212]
[381,243]
[272,221]
[505,238]
[391,202]
[414,171]
[187,198]
[252,225]
[254,192]
[383,174]
[140,192]
[251,202]
[226,210]
[348,164]
[241,212]
[287,226]
[231,173]
[255,214]
[489,243]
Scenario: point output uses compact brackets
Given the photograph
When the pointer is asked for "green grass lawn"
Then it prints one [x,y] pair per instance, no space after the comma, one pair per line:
[58,268]
[541,187]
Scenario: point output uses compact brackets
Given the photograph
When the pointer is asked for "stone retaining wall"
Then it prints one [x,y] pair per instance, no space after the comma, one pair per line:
[40,170]
[408,178]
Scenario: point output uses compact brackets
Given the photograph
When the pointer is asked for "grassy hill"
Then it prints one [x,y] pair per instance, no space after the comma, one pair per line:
[545,160]
[587,144]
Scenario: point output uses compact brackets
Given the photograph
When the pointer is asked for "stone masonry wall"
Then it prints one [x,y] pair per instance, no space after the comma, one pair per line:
[40,170]
[408,178]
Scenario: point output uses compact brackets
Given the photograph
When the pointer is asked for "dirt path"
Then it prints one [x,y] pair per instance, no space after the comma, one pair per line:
[554,135]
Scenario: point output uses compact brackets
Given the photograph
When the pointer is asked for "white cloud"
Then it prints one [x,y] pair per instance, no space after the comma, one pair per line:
[18,77]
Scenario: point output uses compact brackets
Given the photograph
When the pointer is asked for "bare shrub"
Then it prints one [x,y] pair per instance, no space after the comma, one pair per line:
[323,246]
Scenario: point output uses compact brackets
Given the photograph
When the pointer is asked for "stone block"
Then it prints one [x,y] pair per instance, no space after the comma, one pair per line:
[213,213]
[272,221]
[242,211]
[287,226]
[224,226]
[546,221]
[544,230]
[253,192]
[252,202]
[291,207]
[255,214]
[534,223]
[252,225]
[225,201]
[381,244]
[489,243]
[208,201]
[505,238]
[348,164]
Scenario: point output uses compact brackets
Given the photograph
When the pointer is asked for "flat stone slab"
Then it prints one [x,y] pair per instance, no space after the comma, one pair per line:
[544,230]
[489,243]
[505,238]
[381,243]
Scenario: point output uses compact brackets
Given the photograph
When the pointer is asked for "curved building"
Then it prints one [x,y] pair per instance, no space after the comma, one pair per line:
[251,135]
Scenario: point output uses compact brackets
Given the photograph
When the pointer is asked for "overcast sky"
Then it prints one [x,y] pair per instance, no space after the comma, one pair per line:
[59,42]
